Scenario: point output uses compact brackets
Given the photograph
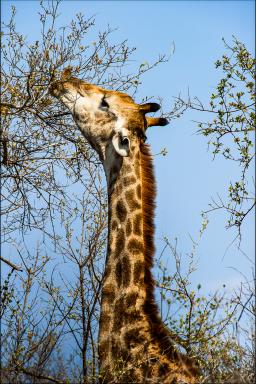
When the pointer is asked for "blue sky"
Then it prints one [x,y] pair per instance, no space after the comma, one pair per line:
[187,177]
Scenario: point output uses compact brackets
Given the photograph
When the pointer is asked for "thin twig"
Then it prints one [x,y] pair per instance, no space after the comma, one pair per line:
[13,266]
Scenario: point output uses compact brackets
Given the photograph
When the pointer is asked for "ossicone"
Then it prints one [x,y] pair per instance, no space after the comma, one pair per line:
[158,121]
[149,107]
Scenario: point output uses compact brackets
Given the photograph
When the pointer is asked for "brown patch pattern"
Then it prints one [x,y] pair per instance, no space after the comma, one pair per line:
[138,270]
[128,180]
[127,168]
[138,191]
[131,200]
[104,347]
[135,246]
[105,322]
[123,272]
[133,337]
[120,242]
[131,299]
[137,230]
[118,273]
[128,228]
[109,293]
[114,225]
[121,210]
[119,311]
[126,270]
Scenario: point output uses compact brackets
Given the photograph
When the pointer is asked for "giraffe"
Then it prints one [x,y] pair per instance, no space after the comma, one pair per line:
[134,344]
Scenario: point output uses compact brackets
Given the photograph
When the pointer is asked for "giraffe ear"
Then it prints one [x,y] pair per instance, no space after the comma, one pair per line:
[121,143]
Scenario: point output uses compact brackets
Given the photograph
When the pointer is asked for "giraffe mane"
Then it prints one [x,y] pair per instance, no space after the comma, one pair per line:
[159,331]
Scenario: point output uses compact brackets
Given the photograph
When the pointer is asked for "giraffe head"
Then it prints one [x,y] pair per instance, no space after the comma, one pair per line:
[110,120]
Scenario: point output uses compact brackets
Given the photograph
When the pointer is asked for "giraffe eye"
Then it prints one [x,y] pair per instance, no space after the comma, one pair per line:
[104,104]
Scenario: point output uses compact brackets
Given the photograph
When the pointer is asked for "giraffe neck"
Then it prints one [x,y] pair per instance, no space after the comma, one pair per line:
[132,338]
[124,288]
[128,312]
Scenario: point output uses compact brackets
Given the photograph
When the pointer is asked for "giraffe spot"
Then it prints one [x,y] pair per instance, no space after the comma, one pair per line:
[123,272]
[153,359]
[127,168]
[191,366]
[121,211]
[133,317]
[119,311]
[138,270]
[115,347]
[163,369]
[137,225]
[108,293]
[124,354]
[131,299]
[135,246]
[138,191]
[126,266]
[79,116]
[82,116]
[114,225]
[98,115]
[131,376]
[133,337]
[147,369]
[118,273]
[129,180]
[128,229]
[104,348]
[105,323]
[131,200]
[120,241]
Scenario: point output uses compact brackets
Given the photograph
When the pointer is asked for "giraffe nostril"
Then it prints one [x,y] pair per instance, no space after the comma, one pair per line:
[125,141]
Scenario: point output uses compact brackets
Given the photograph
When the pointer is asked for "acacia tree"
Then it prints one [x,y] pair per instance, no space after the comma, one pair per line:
[38,137]
[231,129]
[208,326]
[53,199]
[57,303]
